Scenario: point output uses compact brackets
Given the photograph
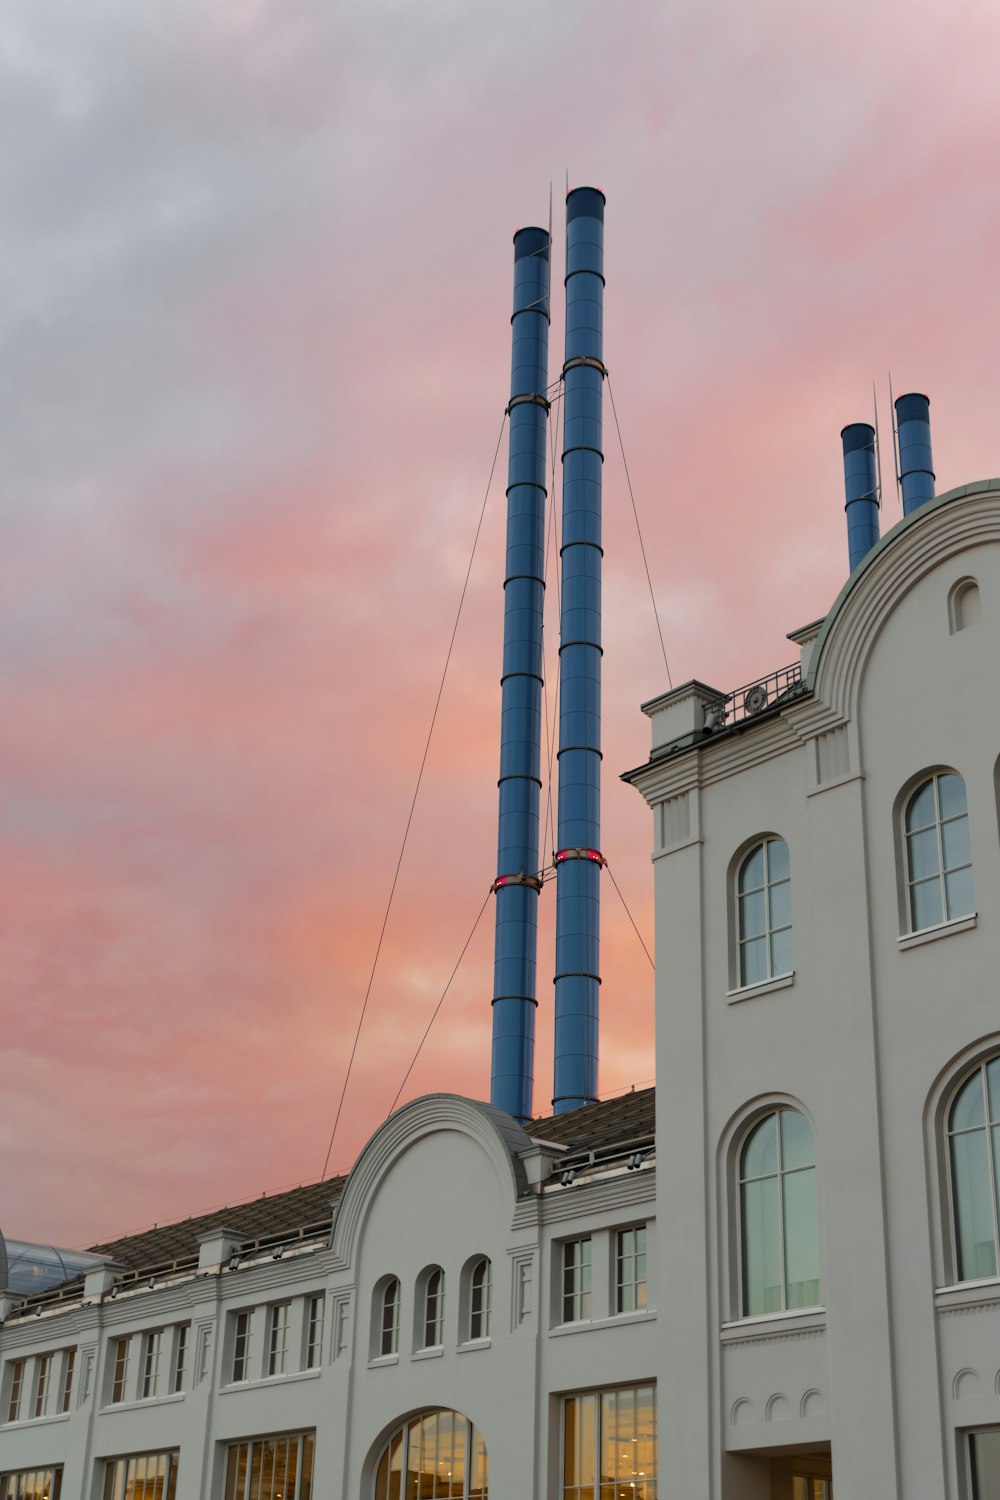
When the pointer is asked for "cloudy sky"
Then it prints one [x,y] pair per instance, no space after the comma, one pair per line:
[255,267]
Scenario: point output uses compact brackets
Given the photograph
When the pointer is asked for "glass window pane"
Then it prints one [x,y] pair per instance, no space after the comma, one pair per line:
[951,792]
[752,915]
[925,905]
[781,952]
[760,1154]
[801,1239]
[955,837]
[967,1109]
[973,1206]
[752,870]
[920,810]
[781,904]
[986,1464]
[753,961]
[777,859]
[922,850]
[993,1082]
[958,886]
[761,1250]
[797,1149]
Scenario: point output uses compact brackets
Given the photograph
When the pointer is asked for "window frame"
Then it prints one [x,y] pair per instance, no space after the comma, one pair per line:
[279,1316]
[152,1353]
[15,1389]
[119,1370]
[401,1434]
[432,1292]
[576,1298]
[965,1077]
[305,1438]
[178,1358]
[170,1478]
[742,1139]
[637,1253]
[484,1292]
[908,882]
[315,1324]
[242,1346]
[388,1298]
[43,1384]
[66,1381]
[565,1490]
[46,1478]
[745,854]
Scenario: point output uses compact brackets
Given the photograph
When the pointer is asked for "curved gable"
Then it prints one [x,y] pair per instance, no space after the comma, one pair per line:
[941,529]
[498,1136]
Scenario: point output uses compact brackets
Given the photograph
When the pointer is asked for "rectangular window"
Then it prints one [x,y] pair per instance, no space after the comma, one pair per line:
[315,1309]
[277,1344]
[120,1371]
[67,1380]
[609,1444]
[152,1346]
[271,1466]
[576,1281]
[42,1385]
[180,1359]
[985,1459]
[144,1476]
[631,1275]
[31,1484]
[241,1346]
[16,1389]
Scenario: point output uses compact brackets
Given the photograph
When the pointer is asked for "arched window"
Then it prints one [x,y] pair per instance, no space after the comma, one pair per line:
[764,913]
[480,1299]
[974,1140]
[388,1340]
[938,857]
[778,1219]
[439,1453]
[434,1309]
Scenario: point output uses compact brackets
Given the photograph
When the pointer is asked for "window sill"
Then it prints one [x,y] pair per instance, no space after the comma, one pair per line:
[765,987]
[383,1359]
[143,1401]
[968,1293]
[434,1352]
[939,930]
[616,1320]
[776,1325]
[42,1421]
[255,1385]
[471,1345]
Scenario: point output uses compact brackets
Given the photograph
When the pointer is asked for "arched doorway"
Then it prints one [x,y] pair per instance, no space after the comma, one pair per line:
[438,1455]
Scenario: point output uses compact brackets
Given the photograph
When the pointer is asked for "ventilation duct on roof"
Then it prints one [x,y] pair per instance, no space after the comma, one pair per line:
[861,486]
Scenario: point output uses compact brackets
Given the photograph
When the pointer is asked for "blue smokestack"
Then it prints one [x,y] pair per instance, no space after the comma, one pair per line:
[578,858]
[862,490]
[518,884]
[916,467]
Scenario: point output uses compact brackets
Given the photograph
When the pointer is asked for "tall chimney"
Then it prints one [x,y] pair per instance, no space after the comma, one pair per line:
[578,857]
[916,466]
[862,490]
[518,883]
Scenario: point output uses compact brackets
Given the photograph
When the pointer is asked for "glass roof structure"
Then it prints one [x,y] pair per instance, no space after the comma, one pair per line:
[26,1268]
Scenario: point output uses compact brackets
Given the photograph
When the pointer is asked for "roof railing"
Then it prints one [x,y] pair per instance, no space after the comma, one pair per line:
[754,698]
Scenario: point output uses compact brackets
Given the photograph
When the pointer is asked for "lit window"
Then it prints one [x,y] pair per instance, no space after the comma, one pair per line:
[438,1453]
[609,1444]
[631,1274]
[180,1359]
[315,1310]
[434,1309]
[277,1343]
[144,1476]
[15,1390]
[31,1484]
[152,1346]
[576,1280]
[938,857]
[42,1375]
[242,1330]
[67,1380]
[811,1487]
[389,1320]
[764,913]
[480,1299]
[780,1237]
[265,1467]
[120,1372]
[985,1460]
[974,1134]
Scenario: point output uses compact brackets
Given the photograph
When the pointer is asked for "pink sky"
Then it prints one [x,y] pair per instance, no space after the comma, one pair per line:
[254,346]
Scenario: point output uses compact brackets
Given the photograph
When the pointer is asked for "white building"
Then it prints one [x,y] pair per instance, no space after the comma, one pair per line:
[801,1282]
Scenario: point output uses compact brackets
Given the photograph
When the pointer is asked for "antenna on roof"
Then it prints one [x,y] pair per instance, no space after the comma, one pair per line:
[895,443]
[878,448]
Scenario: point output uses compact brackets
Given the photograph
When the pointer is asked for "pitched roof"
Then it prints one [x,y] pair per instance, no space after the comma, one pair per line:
[602,1126]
